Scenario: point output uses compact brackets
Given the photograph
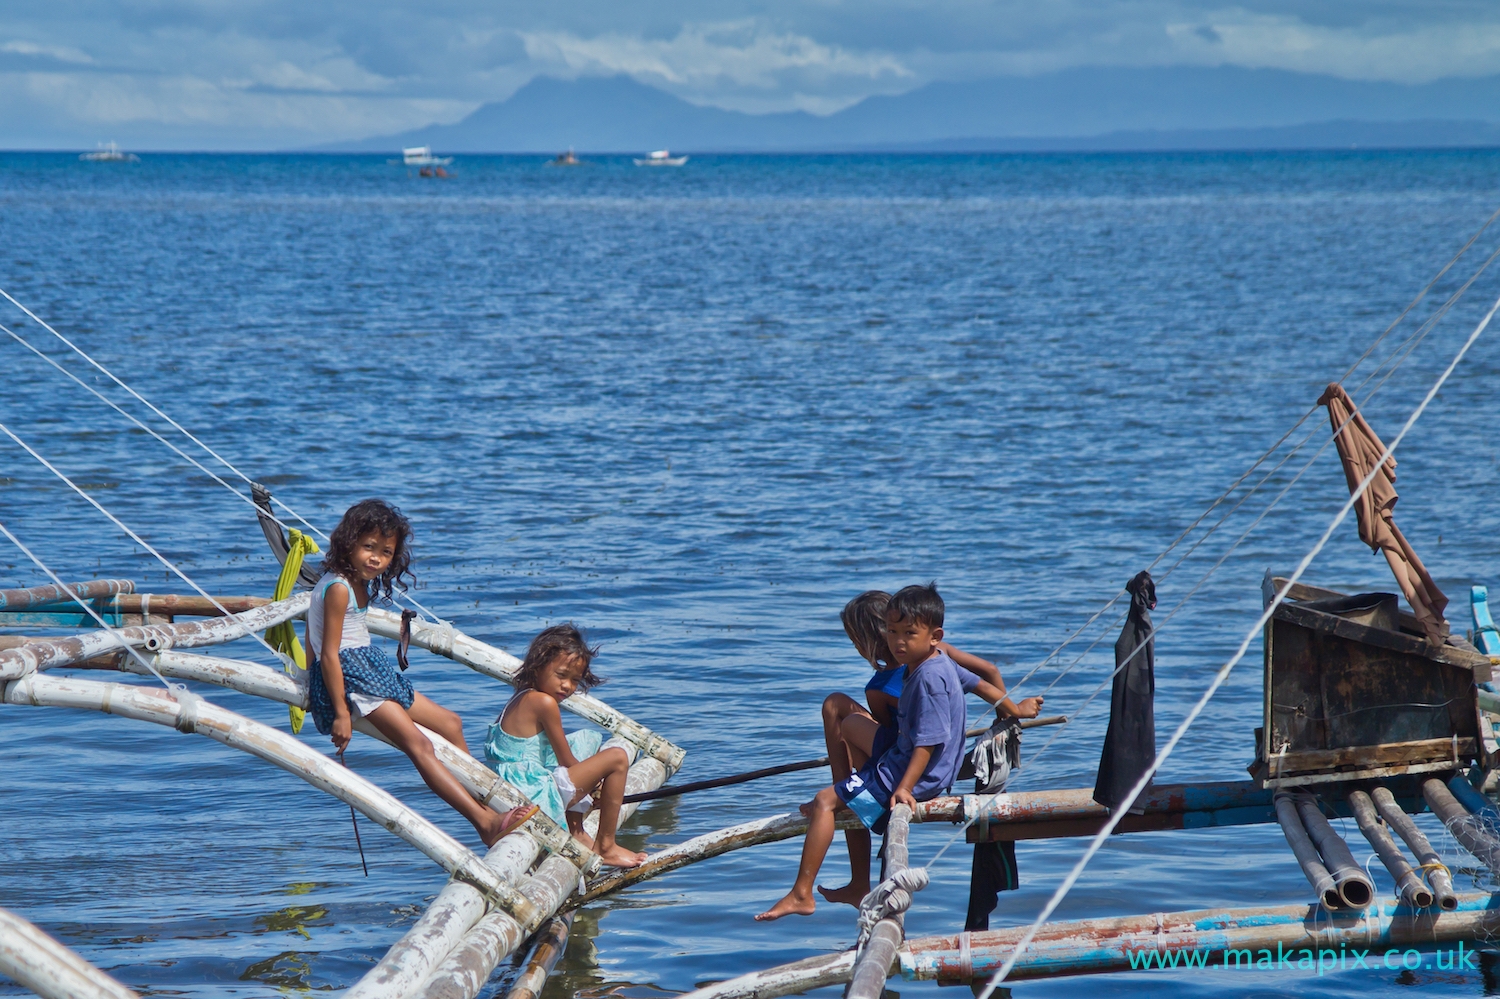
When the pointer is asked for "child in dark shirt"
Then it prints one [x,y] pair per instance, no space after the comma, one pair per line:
[928,749]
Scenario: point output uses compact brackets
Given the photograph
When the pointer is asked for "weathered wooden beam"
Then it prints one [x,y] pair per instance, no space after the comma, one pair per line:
[35,961]
[184,605]
[238,732]
[873,961]
[1204,938]
[550,942]
[447,641]
[42,596]
[53,653]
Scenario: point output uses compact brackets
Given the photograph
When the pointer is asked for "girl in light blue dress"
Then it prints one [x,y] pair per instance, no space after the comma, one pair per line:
[563,773]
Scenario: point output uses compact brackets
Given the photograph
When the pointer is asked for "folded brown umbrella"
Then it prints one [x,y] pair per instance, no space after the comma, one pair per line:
[1360,449]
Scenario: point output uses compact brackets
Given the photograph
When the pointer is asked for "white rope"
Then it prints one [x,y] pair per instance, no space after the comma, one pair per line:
[126,528]
[402,591]
[1123,808]
[93,614]
[891,897]
[1409,345]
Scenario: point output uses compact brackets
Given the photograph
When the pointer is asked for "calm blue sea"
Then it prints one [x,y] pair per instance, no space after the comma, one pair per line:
[695,410]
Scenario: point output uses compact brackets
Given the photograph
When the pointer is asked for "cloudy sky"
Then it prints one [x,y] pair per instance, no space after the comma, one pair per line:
[284,73]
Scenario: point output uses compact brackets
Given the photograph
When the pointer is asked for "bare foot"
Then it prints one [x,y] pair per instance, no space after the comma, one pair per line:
[806,809]
[618,856]
[789,906]
[850,894]
[498,824]
[584,838]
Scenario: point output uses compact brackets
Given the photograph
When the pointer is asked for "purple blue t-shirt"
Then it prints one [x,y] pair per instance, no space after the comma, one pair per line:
[930,712]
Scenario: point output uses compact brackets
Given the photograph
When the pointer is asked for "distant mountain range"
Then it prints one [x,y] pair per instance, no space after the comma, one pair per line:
[1089,108]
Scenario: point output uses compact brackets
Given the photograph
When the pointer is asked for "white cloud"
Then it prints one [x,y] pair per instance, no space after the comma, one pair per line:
[62,53]
[1403,53]
[730,61]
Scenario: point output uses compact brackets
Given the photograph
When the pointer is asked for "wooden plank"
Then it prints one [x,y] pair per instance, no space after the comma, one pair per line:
[1422,751]
[1316,620]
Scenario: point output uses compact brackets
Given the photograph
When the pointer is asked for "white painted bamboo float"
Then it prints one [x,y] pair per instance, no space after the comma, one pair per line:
[873,961]
[465,970]
[41,596]
[35,961]
[784,980]
[551,941]
[54,653]
[447,641]
[458,909]
[238,732]
[769,830]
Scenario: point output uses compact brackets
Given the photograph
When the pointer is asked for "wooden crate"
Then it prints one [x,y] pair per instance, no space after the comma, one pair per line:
[1357,695]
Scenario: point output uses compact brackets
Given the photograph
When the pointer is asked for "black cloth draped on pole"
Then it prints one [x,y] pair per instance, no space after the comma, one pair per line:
[1130,743]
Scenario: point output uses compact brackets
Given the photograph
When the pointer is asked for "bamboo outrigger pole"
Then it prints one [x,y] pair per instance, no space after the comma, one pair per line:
[196,715]
[50,653]
[35,961]
[447,641]
[873,960]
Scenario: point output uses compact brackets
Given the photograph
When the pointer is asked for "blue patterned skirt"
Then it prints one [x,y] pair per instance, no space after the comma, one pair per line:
[367,670]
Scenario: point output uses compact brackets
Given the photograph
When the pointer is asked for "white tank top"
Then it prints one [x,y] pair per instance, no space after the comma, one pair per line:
[356,633]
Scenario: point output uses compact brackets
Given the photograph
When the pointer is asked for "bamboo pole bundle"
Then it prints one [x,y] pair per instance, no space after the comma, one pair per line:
[551,941]
[1354,886]
[447,641]
[1408,886]
[40,596]
[1267,937]
[465,970]
[458,909]
[1464,827]
[35,961]
[238,732]
[768,830]
[872,962]
[184,605]
[1305,852]
[1432,864]
[54,653]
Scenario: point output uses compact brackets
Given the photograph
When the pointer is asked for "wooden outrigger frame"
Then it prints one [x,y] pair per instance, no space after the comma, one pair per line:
[526,887]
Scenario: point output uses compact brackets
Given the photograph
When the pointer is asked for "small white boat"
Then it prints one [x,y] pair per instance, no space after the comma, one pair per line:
[661,157]
[108,152]
[422,156]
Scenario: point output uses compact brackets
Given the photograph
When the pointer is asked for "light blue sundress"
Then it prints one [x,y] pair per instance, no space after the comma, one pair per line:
[527,764]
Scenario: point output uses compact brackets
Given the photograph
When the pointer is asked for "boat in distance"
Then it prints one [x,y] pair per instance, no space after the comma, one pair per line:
[661,157]
[422,156]
[568,158]
[109,152]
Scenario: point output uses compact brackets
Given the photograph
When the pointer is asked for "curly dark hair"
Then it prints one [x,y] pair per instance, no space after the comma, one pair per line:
[558,640]
[864,623]
[371,516]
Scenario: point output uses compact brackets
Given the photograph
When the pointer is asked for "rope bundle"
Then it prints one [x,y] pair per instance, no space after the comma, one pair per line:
[889,898]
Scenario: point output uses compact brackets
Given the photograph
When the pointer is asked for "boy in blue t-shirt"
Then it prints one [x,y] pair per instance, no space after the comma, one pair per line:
[929,747]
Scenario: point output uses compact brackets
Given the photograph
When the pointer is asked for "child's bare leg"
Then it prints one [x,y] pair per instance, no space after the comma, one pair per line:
[837,707]
[575,826]
[858,733]
[442,721]
[396,725]
[610,765]
[800,899]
